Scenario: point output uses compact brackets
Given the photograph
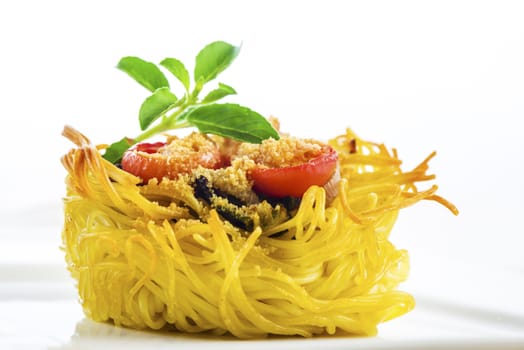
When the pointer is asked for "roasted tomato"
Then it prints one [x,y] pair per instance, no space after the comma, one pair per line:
[180,156]
[295,180]
[149,147]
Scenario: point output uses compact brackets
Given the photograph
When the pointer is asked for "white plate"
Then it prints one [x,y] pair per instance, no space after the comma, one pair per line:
[39,310]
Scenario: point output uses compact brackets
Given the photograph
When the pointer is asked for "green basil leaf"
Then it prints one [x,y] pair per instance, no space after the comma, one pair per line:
[222,91]
[155,106]
[115,151]
[233,121]
[178,69]
[145,73]
[213,59]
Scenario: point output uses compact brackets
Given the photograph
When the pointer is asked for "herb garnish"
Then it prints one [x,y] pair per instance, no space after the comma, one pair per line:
[163,110]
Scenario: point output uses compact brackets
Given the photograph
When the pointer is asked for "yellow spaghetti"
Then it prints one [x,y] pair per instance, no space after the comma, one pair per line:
[153,256]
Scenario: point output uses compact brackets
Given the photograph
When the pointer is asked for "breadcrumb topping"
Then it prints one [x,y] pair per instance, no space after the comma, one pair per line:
[226,163]
[288,151]
[185,154]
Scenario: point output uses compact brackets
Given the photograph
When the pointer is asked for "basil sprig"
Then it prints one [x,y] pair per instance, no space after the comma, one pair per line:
[163,110]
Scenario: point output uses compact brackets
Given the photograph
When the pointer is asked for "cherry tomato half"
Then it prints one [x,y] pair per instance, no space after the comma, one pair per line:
[295,180]
[149,147]
[154,160]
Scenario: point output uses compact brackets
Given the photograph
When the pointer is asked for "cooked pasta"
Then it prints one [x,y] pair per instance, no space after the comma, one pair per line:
[153,256]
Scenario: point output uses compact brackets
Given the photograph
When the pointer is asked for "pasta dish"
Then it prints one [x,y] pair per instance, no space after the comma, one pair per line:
[238,227]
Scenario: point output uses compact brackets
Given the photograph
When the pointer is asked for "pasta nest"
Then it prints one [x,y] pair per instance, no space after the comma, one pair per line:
[142,258]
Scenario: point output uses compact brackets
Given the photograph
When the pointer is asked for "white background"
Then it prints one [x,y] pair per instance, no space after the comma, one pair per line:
[416,75]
